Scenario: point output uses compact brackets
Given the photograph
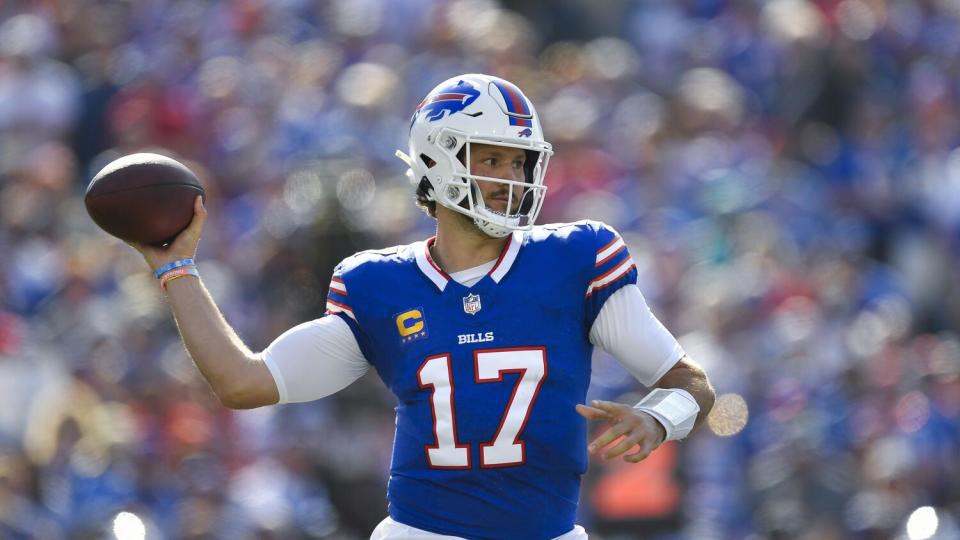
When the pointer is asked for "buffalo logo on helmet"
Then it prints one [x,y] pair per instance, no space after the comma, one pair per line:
[525,133]
[447,101]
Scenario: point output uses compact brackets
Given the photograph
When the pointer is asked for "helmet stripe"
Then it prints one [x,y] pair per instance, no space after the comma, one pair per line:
[515,100]
[516,103]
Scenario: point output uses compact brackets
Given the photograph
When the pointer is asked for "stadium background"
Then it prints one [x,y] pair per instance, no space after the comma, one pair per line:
[786,173]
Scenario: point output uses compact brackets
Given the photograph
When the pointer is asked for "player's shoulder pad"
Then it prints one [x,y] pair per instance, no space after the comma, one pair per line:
[372,260]
[586,233]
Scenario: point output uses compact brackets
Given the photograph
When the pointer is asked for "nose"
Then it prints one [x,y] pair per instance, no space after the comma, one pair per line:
[510,172]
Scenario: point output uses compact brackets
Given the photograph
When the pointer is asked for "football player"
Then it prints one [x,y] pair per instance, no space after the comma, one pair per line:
[483,332]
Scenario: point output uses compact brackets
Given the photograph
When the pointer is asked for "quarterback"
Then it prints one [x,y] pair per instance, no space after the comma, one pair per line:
[483,333]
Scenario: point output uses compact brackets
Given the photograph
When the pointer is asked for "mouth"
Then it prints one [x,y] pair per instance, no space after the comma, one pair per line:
[498,203]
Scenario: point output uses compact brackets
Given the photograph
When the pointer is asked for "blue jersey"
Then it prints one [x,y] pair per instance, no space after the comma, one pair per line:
[488,442]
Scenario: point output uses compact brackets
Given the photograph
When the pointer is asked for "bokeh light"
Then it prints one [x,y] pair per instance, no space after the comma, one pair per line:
[922,523]
[367,84]
[128,526]
[912,412]
[729,416]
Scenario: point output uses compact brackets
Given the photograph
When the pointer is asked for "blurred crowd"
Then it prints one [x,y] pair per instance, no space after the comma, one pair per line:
[786,173]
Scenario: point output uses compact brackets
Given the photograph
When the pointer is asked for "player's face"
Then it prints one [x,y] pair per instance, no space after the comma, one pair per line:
[498,162]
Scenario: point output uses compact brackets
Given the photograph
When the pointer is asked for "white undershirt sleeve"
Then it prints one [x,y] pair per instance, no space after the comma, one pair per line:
[315,359]
[627,329]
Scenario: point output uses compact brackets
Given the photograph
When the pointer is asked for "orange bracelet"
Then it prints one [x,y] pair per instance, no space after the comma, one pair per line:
[171,275]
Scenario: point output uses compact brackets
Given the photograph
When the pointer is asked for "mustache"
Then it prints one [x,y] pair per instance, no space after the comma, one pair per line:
[505,191]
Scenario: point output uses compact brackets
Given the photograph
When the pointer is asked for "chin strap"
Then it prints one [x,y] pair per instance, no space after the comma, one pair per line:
[484,221]
[674,408]
[404,158]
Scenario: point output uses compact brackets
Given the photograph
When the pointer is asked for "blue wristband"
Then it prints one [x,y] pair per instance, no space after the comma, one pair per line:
[170,266]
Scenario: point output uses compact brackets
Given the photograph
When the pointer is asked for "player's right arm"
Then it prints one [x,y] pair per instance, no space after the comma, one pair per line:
[309,361]
[239,378]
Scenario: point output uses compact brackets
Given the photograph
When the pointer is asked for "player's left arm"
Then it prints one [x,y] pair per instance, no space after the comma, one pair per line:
[622,324]
[679,403]
[682,395]
[687,375]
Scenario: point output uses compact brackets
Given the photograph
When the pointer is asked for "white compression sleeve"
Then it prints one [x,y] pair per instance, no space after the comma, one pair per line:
[627,329]
[315,359]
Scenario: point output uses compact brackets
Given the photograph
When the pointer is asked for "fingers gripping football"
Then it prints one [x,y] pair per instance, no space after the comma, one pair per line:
[629,428]
[184,246]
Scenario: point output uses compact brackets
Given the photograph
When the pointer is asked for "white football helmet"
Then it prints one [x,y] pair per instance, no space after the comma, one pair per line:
[469,109]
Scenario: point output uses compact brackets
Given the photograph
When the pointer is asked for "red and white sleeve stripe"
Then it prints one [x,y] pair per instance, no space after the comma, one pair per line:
[336,307]
[336,299]
[338,286]
[611,275]
[610,250]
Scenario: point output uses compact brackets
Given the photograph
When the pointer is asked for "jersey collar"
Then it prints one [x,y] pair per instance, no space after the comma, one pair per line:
[434,273]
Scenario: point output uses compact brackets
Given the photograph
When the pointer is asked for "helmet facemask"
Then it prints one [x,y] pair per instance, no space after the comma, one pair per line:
[462,192]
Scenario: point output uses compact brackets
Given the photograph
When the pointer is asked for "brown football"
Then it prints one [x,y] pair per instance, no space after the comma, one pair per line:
[146,198]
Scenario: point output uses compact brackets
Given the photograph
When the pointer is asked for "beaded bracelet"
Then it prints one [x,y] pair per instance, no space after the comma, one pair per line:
[176,273]
[170,266]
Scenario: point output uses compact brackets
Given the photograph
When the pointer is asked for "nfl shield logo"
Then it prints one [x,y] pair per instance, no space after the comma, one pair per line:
[471,304]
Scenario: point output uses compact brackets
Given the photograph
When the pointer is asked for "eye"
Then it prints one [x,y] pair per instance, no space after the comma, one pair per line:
[518,163]
[490,162]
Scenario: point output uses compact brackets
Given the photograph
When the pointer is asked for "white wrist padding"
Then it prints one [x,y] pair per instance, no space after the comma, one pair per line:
[674,408]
